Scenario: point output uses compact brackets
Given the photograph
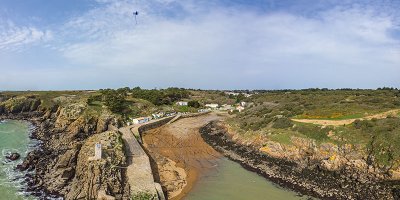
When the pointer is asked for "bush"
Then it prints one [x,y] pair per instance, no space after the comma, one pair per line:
[143,196]
[314,132]
[194,104]
[282,123]
[92,99]
[114,100]
[160,97]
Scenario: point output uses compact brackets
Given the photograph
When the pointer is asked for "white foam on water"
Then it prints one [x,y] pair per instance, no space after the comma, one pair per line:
[13,177]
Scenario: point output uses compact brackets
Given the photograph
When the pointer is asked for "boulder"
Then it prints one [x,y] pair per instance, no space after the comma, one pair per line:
[13,156]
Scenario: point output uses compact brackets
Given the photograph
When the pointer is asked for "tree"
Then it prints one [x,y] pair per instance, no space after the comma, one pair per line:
[194,104]
[114,99]
[240,98]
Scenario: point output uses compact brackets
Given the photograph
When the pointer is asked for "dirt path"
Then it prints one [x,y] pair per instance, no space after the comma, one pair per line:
[347,121]
[180,153]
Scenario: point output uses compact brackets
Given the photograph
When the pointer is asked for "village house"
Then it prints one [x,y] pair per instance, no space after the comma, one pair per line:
[203,110]
[239,108]
[170,114]
[158,115]
[212,105]
[226,107]
[247,95]
[182,103]
[236,94]
[141,120]
[232,93]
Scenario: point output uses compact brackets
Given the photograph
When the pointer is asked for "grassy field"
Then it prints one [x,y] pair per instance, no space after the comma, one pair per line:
[270,116]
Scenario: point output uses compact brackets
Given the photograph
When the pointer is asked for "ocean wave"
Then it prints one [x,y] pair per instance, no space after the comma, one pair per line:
[12,178]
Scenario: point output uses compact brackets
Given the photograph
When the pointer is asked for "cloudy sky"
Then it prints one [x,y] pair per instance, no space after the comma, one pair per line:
[210,44]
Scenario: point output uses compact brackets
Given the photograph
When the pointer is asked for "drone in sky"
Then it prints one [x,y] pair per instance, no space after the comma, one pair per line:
[135,13]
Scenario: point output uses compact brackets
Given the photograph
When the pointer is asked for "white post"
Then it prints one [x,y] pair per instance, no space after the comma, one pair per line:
[97,151]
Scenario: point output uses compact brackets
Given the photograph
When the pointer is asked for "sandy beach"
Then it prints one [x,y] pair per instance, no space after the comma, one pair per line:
[180,155]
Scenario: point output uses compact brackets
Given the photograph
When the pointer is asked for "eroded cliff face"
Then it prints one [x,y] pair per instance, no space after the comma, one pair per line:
[97,179]
[326,170]
[19,105]
[68,133]
[330,157]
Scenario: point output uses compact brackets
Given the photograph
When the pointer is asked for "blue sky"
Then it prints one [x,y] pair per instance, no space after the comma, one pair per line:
[219,44]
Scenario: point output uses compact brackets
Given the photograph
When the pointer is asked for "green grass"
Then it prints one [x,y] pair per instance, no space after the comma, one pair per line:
[283,136]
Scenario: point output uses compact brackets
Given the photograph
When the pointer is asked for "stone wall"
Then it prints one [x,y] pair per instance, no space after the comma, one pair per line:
[153,125]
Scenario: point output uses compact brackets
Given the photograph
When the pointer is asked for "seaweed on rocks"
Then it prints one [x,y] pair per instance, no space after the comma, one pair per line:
[309,180]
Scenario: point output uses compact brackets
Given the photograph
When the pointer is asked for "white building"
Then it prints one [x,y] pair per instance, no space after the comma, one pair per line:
[182,103]
[236,94]
[204,110]
[232,93]
[212,105]
[158,115]
[240,108]
[247,95]
[243,104]
[226,107]
[141,120]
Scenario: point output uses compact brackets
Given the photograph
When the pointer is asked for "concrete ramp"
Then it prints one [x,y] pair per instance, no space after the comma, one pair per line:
[139,173]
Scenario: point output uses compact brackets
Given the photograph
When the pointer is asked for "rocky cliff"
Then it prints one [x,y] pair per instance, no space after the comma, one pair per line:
[22,104]
[68,131]
[99,179]
[324,170]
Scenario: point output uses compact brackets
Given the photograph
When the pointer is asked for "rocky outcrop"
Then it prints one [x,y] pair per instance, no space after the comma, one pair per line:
[300,168]
[95,178]
[20,104]
[68,114]
[68,134]
[171,177]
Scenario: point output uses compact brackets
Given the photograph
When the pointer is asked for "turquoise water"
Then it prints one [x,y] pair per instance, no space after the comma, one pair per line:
[227,181]
[14,137]
[230,181]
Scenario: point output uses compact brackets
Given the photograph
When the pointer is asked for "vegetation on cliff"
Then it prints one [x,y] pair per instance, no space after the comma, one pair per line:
[270,124]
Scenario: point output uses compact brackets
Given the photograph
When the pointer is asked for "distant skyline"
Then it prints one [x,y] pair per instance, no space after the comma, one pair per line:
[220,44]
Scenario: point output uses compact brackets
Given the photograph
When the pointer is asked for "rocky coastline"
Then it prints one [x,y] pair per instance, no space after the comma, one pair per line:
[31,178]
[311,179]
[58,167]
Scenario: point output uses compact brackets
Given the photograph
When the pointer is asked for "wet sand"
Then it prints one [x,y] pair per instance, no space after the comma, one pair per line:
[180,154]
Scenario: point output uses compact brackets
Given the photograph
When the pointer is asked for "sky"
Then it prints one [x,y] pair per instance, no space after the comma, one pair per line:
[207,44]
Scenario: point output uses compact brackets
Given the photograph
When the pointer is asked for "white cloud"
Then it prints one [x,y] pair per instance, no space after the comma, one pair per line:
[13,37]
[233,40]
[219,47]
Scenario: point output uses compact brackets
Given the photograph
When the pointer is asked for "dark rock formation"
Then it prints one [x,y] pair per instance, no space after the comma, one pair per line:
[310,180]
[13,156]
